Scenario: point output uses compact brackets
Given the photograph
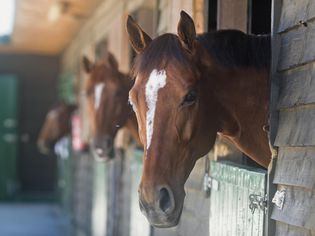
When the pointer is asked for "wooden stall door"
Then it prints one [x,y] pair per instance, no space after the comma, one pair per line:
[8,136]
[139,225]
[237,200]
[99,208]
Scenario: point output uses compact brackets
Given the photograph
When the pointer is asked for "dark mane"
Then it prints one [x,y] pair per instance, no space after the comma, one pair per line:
[233,48]
[230,48]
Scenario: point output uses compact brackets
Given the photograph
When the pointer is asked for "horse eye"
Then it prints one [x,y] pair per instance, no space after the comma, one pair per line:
[190,98]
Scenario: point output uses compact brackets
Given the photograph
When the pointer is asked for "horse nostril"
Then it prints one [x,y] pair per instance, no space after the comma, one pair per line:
[165,203]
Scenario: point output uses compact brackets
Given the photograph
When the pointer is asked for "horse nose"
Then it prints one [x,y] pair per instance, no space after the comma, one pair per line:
[42,147]
[102,147]
[102,144]
[166,201]
[99,151]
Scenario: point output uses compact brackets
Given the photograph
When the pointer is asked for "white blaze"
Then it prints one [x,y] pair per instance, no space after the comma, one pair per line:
[52,114]
[98,94]
[156,81]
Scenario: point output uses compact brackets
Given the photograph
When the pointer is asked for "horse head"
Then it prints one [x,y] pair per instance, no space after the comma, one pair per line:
[187,89]
[57,124]
[107,94]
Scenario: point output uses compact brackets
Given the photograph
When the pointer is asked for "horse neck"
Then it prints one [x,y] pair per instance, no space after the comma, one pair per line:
[243,95]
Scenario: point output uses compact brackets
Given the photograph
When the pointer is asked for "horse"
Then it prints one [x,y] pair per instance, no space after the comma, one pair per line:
[57,124]
[107,91]
[188,88]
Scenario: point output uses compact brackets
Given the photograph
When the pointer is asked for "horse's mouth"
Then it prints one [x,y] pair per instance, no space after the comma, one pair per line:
[103,155]
[160,219]
[44,148]
[166,224]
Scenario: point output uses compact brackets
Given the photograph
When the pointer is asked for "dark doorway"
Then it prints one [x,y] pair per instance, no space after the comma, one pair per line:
[259,21]
[212,15]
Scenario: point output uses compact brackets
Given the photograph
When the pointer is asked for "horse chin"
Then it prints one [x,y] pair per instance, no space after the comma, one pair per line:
[43,148]
[168,222]
[103,155]
[160,219]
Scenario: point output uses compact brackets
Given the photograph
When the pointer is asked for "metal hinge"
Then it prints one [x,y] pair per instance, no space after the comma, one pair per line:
[257,202]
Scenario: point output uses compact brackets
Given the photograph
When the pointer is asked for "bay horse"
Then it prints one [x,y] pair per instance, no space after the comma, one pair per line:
[57,124]
[188,88]
[107,91]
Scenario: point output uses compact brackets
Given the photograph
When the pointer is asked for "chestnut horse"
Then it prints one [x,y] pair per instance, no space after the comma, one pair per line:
[57,125]
[187,89]
[107,92]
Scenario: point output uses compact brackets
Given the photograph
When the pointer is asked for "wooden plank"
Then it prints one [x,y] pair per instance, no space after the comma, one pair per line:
[291,49]
[275,80]
[270,225]
[290,230]
[293,11]
[99,203]
[298,208]
[309,49]
[83,188]
[297,86]
[297,46]
[296,127]
[311,10]
[296,166]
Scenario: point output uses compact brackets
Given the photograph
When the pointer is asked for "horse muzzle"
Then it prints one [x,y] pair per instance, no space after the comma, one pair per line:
[165,210]
[43,147]
[102,149]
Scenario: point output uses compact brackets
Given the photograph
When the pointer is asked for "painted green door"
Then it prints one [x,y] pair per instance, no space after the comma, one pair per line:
[8,136]
[139,225]
[99,208]
[237,200]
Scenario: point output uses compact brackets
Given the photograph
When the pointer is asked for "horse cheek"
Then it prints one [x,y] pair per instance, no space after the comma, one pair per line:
[187,131]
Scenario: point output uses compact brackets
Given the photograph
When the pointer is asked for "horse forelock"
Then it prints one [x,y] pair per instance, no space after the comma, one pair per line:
[162,51]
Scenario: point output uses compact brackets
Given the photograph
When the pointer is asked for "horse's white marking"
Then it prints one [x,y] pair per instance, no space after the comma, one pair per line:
[132,105]
[98,94]
[52,114]
[156,81]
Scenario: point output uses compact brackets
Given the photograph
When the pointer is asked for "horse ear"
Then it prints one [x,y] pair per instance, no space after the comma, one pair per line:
[112,61]
[138,38]
[87,64]
[186,31]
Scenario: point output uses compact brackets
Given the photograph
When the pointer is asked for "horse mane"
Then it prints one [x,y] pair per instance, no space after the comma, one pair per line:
[229,48]
[233,48]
